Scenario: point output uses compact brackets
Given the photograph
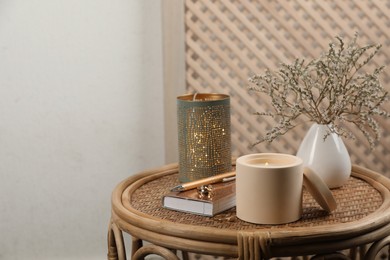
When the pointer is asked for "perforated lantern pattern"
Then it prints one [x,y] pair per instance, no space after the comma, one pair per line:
[204,135]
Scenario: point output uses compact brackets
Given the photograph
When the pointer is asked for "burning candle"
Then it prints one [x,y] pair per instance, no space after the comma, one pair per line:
[268,161]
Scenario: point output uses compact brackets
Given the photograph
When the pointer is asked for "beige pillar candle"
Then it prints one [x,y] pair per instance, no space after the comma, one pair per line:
[269,188]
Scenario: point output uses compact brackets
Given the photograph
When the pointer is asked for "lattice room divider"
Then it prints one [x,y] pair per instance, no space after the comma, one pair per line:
[227,41]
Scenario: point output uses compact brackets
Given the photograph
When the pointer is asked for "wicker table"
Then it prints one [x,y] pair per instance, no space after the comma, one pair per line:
[359,228]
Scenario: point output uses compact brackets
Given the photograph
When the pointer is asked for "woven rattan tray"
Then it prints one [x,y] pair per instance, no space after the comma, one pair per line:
[362,216]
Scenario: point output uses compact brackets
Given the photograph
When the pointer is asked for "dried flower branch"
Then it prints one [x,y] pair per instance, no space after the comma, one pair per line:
[328,90]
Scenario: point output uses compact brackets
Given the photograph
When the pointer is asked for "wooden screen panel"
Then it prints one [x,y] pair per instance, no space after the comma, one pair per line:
[227,41]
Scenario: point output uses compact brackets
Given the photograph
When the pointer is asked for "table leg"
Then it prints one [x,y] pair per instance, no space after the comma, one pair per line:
[112,253]
[185,255]
[153,249]
[362,250]
[353,252]
[377,247]
[116,246]
[136,244]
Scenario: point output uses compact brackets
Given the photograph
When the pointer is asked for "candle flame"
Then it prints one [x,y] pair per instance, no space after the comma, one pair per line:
[266,164]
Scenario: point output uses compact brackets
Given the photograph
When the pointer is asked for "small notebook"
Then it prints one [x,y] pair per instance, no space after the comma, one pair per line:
[224,198]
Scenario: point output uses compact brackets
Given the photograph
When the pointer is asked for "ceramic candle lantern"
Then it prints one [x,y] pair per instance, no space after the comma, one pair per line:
[269,188]
[204,135]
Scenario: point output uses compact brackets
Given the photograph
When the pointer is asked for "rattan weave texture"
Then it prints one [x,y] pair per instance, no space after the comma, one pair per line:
[356,199]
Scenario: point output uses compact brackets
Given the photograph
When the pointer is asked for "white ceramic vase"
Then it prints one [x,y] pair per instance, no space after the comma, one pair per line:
[328,158]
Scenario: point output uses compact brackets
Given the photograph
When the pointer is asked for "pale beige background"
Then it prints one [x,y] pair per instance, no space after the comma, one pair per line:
[81,108]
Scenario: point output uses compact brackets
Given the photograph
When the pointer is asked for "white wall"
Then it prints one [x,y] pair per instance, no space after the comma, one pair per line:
[81,108]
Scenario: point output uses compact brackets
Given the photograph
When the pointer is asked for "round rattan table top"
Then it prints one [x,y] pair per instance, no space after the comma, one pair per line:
[362,208]
[356,199]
